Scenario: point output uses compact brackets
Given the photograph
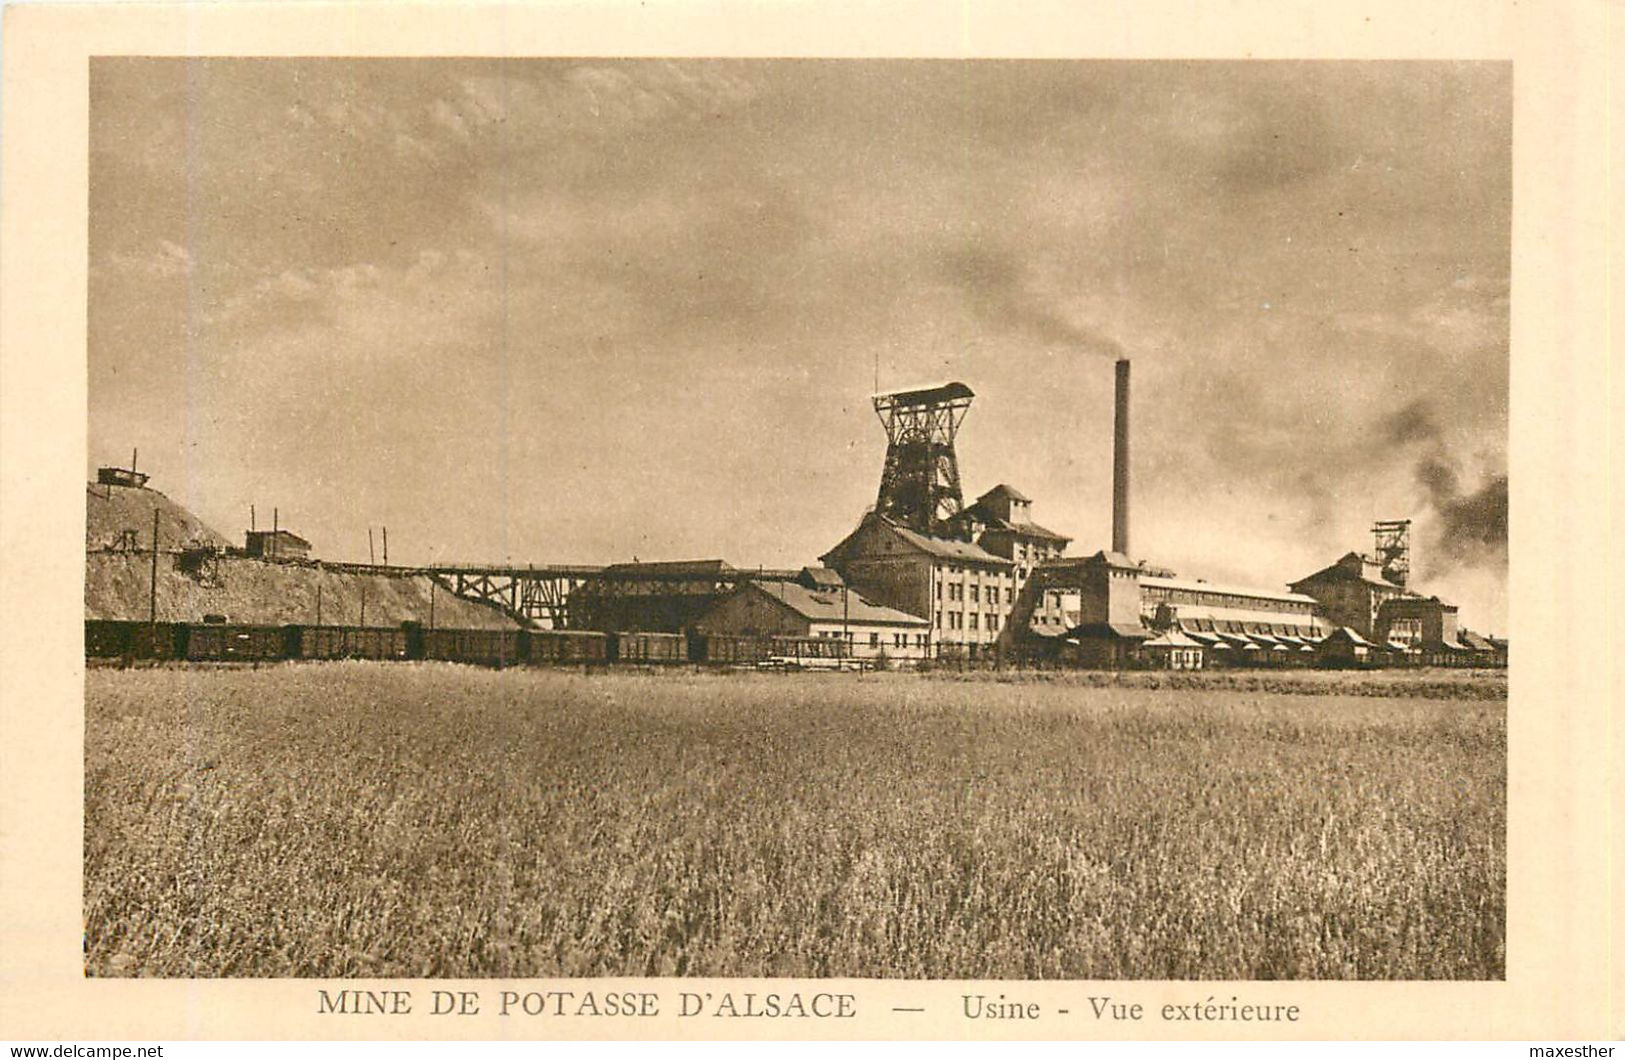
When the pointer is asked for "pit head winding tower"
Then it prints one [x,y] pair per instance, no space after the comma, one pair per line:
[919,487]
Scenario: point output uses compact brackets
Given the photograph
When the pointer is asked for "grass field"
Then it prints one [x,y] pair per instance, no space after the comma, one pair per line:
[355,819]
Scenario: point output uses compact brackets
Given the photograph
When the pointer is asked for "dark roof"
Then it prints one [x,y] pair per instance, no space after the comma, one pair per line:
[941,547]
[820,578]
[121,476]
[1114,559]
[835,606]
[1350,635]
[1339,571]
[947,547]
[925,395]
[995,524]
[1007,491]
[1111,630]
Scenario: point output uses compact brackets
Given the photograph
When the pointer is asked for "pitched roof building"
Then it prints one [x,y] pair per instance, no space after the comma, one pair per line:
[810,606]
[1351,592]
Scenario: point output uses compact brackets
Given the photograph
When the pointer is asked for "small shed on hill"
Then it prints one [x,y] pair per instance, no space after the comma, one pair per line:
[277,544]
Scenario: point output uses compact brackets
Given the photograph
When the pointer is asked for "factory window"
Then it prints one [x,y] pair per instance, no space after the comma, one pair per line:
[939,590]
[939,619]
[874,640]
[1009,595]
[992,621]
[973,620]
[898,640]
[975,591]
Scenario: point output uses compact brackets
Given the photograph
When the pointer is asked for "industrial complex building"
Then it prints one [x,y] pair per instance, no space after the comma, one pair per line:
[921,576]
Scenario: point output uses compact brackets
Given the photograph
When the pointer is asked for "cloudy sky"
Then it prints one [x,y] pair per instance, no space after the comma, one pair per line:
[584,310]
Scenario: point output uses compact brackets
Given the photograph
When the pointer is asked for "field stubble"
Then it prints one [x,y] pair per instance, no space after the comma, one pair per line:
[355,819]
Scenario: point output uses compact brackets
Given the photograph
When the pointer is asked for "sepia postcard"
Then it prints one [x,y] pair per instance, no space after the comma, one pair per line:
[639,522]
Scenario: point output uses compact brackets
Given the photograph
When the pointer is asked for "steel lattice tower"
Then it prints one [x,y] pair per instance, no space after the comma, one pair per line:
[919,487]
[1394,549]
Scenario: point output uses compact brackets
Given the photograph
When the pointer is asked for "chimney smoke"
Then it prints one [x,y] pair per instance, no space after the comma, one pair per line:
[1120,464]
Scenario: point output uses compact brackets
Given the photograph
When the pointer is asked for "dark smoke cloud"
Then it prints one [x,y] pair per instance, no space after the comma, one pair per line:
[1415,422]
[1471,528]
[995,283]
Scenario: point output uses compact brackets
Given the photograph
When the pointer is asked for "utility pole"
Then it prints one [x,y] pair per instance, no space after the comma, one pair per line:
[846,632]
[318,603]
[433,581]
[372,557]
[386,546]
[152,599]
[276,528]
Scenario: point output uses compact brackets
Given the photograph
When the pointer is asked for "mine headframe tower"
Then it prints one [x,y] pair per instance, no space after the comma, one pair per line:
[919,487]
[1393,537]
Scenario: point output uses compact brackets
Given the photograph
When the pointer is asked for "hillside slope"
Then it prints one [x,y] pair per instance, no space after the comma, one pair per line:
[117,586]
[110,510]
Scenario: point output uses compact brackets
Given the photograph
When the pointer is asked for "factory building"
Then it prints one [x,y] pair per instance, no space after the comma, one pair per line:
[1351,592]
[1235,624]
[661,597]
[816,603]
[922,551]
[1424,624]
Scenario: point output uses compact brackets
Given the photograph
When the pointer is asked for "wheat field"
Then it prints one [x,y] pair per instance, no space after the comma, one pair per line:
[356,819]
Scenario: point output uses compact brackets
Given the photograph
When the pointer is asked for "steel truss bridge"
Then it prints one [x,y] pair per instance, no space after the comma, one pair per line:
[562,595]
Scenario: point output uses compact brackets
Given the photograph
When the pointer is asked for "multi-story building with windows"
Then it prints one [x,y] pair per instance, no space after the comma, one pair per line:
[964,586]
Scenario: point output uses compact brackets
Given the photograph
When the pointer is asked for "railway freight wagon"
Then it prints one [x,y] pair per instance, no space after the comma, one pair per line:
[557,647]
[716,649]
[655,648]
[111,639]
[218,643]
[356,642]
[482,647]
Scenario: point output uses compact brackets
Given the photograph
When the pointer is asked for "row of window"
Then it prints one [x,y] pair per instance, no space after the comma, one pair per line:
[956,620]
[956,591]
[898,640]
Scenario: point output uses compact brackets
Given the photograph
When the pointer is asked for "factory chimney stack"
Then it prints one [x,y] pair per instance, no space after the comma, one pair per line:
[1120,464]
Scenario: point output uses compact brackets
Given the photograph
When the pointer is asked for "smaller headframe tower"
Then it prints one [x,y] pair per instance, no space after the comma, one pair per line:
[1393,538]
[919,487]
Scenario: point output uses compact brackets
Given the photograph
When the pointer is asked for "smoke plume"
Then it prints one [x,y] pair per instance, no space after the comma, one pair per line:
[995,283]
[1471,528]
[1415,422]
[1468,527]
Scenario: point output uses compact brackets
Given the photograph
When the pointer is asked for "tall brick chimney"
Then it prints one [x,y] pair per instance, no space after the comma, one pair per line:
[1120,464]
